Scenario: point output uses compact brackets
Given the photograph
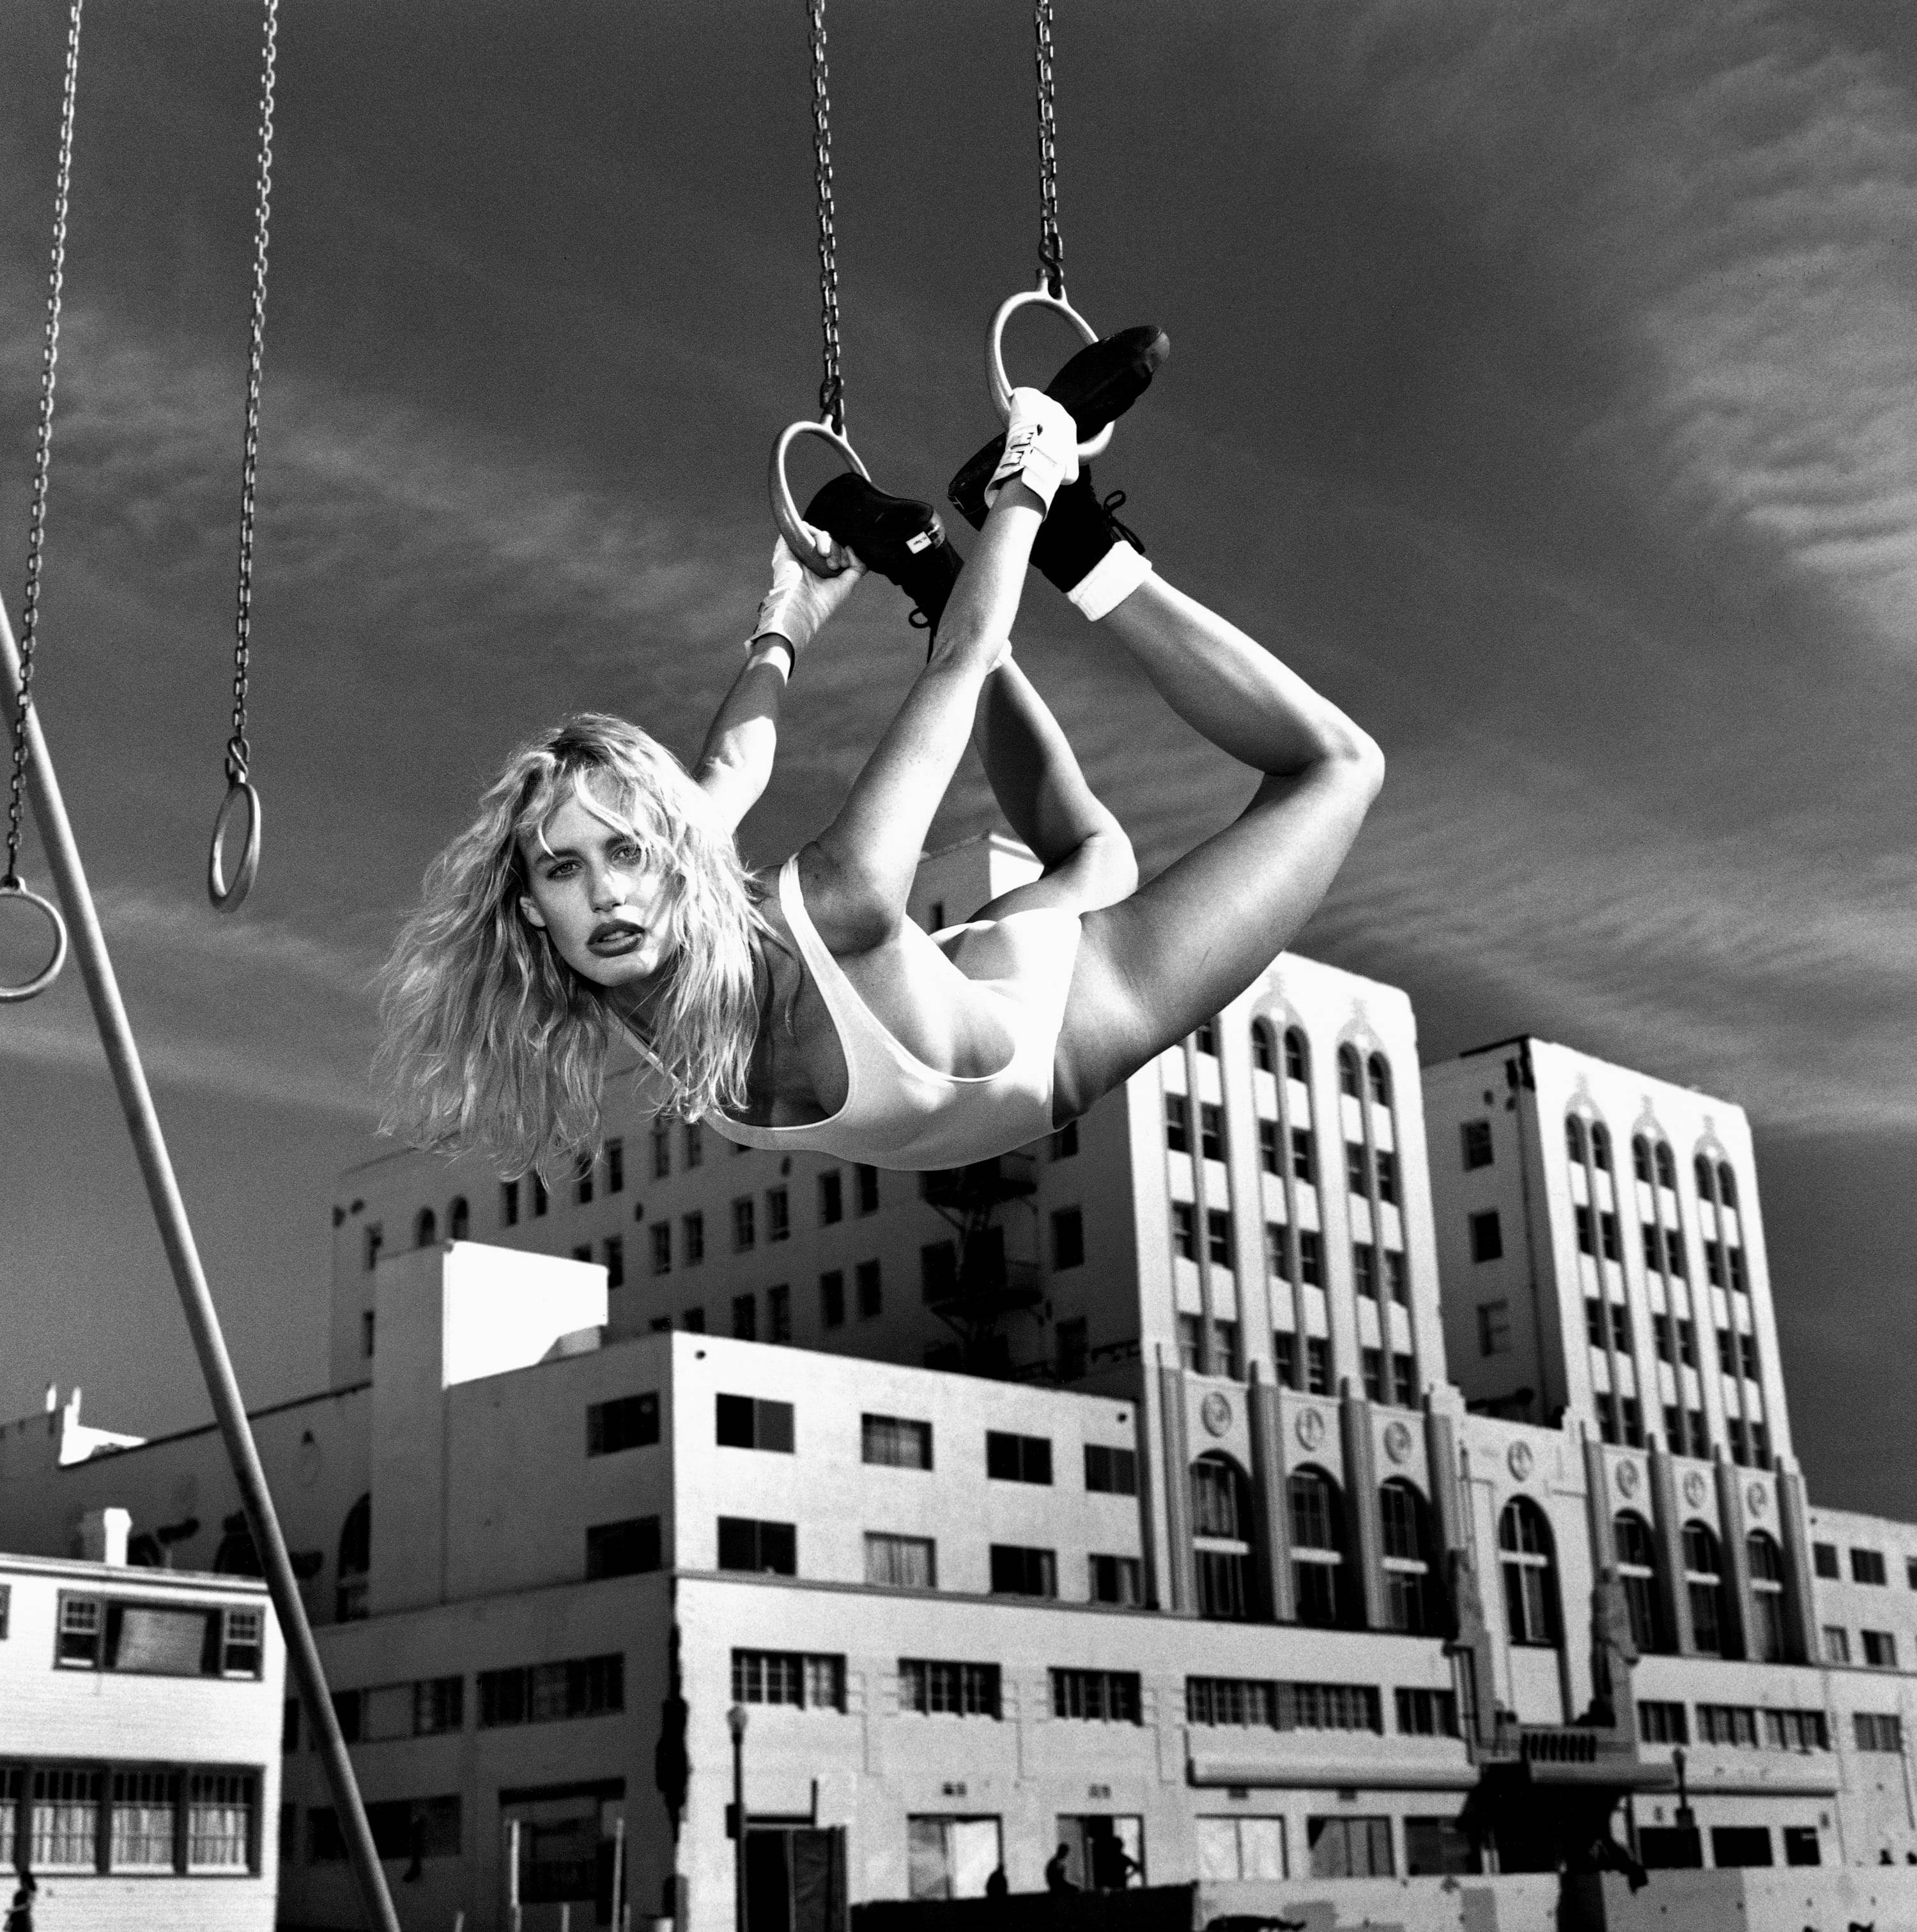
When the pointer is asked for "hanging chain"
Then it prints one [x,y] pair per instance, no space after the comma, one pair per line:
[237,748]
[42,455]
[832,390]
[1052,249]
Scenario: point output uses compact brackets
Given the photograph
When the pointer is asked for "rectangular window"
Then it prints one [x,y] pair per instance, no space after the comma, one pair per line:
[1587,1244]
[1068,1238]
[219,1808]
[695,1144]
[509,1204]
[1733,1845]
[1661,1337]
[1073,1348]
[662,1247]
[1318,1365]
[1475,1136]
[613,1253]
[778,1313]
[1218,1237]
[1620,1328]
[541,1200]
[1249,1702]
[807,1682]
[1385,1163]
[1177,1124]
[1397,1276]
[1746,1362]
[1371,1366]
[1662,1722]
[1875,1732]
[1284,1358]
[582,1181]
[779,1214]
[1019,1571]
[1487,1237]
[1097,1696]
[1654,1249]
[1795,1731]
[1211,1131]
[694,1321]
[938,1687]
[1607,1236]
[661,1152]
[541,1694]
[1304,1156]
[1740,1281]
[1311,1258]
[1111,1471]
[1364,1269]
[1837,1644]
[867,1178]
[1802,1846]
[1277,1251]
[1427,1714]
[629,1548]
[1727,1353]
[1674,1253]
[1687,1340]
[1494,1327]
[1184,1231]
[895,1441]
[1714,1264]
[1357,1168]
[751,1422]
[375,1237]
[439,1705]
[146,1806]
[629,1422]
[832,1298]
[1191,1341]
[871,1298]
[744,1318]
[1344,1847]
[744,1224]
[1404,1381]
[615,1167]
[1225,1349]
[1867,1566]
[242,1643]
[1880,1649]
[1115,1579]
[1018,1458]
[1065,1140]
[1824,1560]
[938,1272]
[901,1562]
[1732,1724]
[693,1229]
[831,1199]
[759,1548]
[1268,1146]
[1331,1707]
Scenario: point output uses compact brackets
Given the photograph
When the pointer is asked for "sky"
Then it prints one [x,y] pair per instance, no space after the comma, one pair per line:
[1543,387]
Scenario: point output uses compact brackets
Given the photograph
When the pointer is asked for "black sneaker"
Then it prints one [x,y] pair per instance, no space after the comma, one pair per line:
[901,539]
[1098,385]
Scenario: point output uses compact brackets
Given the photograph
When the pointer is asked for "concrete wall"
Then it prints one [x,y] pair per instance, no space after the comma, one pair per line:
[1522,1902]
[1883,1898]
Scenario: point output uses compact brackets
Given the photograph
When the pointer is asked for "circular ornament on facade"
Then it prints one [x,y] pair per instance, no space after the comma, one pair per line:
[1215,1412]
[1397,1441]
[1520,1460]
[1757,1499]
[1695,1489]
[1626,1478]
[1310,1428]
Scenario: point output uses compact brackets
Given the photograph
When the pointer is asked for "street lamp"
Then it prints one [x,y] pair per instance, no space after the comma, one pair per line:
[735,1722]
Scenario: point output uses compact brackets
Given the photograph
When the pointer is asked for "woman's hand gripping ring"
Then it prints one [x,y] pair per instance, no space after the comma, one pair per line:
[812,547]
[1001,384]
[13,893]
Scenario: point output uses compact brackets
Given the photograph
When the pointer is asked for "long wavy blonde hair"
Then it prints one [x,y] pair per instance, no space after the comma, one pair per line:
[490,1042]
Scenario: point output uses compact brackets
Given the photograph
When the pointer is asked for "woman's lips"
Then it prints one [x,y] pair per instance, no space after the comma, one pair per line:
[617,938]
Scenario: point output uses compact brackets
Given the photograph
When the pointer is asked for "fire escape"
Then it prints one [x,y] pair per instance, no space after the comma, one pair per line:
[983,1288]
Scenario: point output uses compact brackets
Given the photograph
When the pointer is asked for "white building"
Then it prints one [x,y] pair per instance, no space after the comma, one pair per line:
[139,1740]
[1205,1560]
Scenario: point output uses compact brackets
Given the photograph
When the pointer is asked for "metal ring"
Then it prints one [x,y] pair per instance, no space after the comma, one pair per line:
[25,990]
[1001,383]
[226,897]
[831,560]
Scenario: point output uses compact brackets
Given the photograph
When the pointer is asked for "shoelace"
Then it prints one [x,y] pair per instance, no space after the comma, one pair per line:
[1112,505]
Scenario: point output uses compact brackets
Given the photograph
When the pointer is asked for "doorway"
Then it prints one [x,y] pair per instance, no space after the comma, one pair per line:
[795,1878]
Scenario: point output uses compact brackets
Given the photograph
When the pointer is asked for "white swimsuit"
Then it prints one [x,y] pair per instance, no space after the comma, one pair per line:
[900,1113]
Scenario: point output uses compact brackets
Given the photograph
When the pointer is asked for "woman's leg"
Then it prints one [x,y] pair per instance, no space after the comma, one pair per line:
[1152,966]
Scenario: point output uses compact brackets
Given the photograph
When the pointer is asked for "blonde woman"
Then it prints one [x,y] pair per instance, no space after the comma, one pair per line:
[599,898]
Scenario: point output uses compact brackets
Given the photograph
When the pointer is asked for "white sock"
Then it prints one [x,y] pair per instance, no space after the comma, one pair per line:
[1111,581]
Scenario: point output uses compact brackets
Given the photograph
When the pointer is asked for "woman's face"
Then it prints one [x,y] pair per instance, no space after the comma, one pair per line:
[594,895]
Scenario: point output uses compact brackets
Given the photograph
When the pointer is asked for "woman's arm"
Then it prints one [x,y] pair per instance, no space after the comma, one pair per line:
[736,765]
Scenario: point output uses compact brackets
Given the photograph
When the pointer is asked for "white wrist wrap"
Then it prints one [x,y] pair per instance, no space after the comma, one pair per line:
[1110,581]
[1041,448]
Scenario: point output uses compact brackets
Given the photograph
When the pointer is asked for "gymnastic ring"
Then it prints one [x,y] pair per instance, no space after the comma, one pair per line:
[1001,383]
[832,561]
[225,897]
[12,888]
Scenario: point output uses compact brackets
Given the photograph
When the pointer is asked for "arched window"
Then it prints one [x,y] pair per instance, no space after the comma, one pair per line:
[1702,1169]
[426,1229]
[1317,1547]
[355,1559]
[1600,1146]
[1221,1521]
[1637,1572]
[1206,1038]
[1666,1166]
[1348,1072]
[1640,1157]
[1264,1052]
[236,1555]
[1297,1064]
[1411,1601]
[1727,1184]
[1531,1586]
[1381,1081]
[1703,1577]
[1574,1137]
[459,1218]
[1767,1621]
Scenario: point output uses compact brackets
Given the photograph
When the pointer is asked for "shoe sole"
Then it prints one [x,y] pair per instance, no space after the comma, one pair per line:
[885,533]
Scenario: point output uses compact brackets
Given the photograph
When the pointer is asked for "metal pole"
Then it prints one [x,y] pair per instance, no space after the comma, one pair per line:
[619,1873]
[162,1191]
[735,1720]
[515,1916]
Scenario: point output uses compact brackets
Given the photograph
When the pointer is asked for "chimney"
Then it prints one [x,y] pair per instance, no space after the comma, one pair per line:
[103,1535]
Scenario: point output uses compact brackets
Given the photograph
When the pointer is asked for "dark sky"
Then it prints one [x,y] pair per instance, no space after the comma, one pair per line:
[1543,387]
